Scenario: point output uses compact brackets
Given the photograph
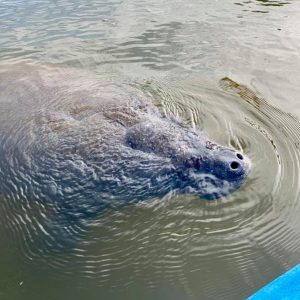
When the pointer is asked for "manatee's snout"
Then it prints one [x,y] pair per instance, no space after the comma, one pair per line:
[213,171]
[230,165]
[222,172]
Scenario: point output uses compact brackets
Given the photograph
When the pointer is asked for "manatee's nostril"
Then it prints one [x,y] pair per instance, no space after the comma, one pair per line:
[240,156]
[234,165]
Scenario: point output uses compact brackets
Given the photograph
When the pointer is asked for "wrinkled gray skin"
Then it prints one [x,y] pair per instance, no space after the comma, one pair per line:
[74,144]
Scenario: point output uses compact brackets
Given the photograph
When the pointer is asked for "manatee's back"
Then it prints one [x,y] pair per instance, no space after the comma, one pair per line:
[66,122]
[60,146]
[63,156]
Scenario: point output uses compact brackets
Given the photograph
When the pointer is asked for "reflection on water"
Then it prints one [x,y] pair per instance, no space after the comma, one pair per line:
[176,53]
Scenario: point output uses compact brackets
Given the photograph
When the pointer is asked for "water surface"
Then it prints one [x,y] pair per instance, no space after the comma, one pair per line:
[230,67]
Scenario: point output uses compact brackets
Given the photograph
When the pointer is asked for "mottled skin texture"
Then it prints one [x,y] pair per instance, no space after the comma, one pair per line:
[75,144]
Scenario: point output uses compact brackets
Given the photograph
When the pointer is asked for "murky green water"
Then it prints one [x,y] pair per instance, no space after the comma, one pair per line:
[177,52]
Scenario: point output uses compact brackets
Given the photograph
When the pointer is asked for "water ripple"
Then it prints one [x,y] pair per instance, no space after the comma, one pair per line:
[173,239]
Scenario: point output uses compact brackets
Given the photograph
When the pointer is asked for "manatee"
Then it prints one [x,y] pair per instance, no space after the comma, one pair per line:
[73,145]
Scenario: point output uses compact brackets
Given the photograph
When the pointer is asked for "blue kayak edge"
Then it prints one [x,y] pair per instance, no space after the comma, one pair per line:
[286,286]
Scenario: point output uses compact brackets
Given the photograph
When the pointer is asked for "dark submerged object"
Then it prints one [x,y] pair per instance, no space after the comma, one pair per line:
[73,145]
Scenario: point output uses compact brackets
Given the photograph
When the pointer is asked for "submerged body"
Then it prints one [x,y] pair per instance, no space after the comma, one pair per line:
[77,144]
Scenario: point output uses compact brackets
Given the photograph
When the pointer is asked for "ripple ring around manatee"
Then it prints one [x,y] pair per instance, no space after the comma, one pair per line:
[78,144]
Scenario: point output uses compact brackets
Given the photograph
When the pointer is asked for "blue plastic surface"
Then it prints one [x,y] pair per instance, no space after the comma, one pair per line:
[286,286]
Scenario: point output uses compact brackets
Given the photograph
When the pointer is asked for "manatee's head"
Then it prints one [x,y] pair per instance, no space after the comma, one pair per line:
[213,171]
[200,166]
